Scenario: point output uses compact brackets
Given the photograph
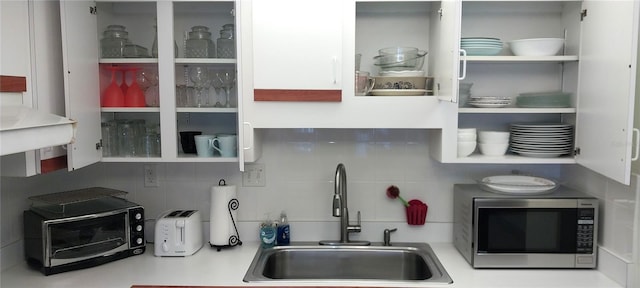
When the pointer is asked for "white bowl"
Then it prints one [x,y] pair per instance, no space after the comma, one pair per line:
[493,149]
[467,130]
[493,136]
[536,46]
[465,148]
[467,137]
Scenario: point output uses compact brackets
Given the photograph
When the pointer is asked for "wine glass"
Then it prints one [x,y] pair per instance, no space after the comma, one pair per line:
[148,82]
[216,82]
[200,77]
[113,96]
[228,80]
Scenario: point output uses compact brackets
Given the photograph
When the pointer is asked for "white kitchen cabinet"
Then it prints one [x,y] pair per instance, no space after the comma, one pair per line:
[305,66]
[608,71]
[596,66]
[31,47]
[88,75]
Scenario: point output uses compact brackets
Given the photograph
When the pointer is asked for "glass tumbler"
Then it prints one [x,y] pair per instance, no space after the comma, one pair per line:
[151,144]
[109,139]
[127,137]
[141,129]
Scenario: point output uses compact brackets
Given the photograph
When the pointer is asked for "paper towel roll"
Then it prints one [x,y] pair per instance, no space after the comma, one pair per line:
[221,224]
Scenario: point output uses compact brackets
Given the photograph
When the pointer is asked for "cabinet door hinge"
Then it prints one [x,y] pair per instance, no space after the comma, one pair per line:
[576,151]
[583,14]
[440,12]
[93,10]
[99,145]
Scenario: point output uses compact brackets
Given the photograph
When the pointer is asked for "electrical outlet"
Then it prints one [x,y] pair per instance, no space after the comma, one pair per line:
[254,175]
[150,176]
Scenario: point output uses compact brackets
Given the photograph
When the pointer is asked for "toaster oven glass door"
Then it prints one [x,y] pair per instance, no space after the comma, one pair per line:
[88,237]
[527,230]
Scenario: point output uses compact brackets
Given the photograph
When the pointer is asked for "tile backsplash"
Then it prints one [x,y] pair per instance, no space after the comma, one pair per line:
[300,168]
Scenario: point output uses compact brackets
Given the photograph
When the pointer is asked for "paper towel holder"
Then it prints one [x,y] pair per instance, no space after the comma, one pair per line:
[234,240]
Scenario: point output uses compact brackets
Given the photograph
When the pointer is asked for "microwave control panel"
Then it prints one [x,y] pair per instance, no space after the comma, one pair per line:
[586,220]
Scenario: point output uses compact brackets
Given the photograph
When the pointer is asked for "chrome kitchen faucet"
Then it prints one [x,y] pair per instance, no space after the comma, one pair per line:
[341,209]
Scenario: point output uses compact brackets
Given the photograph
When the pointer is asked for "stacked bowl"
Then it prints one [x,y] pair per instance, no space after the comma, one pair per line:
[466,141]
[493,143]
[400,59]
[481,46]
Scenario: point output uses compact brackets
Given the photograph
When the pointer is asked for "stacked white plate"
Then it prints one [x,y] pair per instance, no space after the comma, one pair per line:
[543,140]
[481,46]
[489,101]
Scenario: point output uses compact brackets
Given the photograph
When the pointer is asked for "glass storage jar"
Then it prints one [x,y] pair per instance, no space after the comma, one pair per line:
[113,42]
[226,42]
[199,44]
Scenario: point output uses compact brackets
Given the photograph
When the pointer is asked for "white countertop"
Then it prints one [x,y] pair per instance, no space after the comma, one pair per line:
[227,268]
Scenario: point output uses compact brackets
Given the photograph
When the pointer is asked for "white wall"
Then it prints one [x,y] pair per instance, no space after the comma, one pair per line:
[300,166]
[618,209]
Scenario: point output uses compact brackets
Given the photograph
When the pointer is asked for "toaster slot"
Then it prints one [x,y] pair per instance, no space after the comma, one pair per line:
[187,213]
[174,213]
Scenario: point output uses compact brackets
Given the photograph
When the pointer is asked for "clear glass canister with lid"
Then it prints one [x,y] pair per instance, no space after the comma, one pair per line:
[226,42]
[199,44]
[113,42]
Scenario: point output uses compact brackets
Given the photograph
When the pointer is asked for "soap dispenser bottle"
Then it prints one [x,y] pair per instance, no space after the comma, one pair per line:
[268,233]
[283,230]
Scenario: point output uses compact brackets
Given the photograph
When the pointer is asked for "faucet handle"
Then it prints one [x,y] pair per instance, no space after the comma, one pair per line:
[358,223]
[387,236]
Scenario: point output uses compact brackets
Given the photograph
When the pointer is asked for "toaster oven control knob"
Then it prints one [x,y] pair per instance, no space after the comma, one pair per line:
[139,241]
[138,216]
[165,247]
[139,228]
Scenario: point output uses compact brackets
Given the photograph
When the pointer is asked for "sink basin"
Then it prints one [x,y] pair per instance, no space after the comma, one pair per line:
[309,262]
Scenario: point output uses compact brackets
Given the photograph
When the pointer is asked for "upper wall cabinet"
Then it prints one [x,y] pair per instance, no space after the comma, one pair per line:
[304,55]
[596,67]
[291,36]
[27,26]
[608,79]
[143,77]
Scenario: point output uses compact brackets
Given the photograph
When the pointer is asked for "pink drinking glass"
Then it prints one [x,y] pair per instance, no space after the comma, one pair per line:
[135,95]
[112,95]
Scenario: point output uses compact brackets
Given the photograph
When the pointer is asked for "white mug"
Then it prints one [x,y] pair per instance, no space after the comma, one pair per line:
[226,144]
[203,147]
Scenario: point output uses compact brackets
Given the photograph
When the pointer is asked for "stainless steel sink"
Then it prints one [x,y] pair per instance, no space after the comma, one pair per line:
[309,262]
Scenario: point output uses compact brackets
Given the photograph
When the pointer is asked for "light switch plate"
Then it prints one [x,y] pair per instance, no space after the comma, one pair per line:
[254,175]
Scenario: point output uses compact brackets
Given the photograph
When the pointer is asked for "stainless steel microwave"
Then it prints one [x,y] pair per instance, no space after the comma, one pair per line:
[554,230]
[82,234]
